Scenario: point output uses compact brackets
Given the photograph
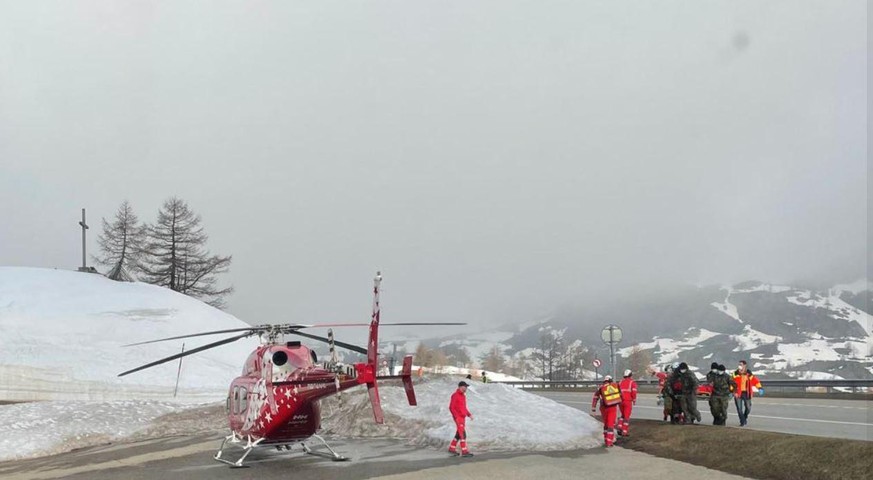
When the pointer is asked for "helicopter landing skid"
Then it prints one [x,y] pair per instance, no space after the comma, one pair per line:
[235,441]
[332,455]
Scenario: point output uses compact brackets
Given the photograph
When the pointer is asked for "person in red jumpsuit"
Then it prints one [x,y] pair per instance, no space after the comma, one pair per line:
[458,409]
[609,397]
[628,388]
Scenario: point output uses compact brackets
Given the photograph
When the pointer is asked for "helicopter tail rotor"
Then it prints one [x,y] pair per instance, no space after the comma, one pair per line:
[406,376]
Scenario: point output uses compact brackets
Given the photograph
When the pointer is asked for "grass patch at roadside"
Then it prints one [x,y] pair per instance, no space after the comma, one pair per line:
[753,453]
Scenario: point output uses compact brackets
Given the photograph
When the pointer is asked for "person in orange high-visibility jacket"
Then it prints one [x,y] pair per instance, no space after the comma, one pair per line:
[746,382]
[628,388]
[609,397]
[458,409]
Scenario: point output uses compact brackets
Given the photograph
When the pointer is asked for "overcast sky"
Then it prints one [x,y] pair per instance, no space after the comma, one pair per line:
[493,159]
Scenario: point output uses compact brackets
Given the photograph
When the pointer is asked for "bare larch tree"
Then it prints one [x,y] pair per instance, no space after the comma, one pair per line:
[120,244]
[175,255]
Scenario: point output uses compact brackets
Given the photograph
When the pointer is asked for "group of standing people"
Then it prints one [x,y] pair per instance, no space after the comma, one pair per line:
[678,389]
[615,398]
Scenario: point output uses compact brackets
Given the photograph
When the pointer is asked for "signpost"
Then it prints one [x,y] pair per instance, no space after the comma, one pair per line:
[393,359]
[611,335]
[597,363]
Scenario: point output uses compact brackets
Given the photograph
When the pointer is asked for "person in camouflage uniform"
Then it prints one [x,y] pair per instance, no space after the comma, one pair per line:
[687,397]
[722,386]
[664,397]
[711,377]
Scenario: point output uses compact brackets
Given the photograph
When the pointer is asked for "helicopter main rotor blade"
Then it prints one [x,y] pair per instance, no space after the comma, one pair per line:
[288,328]
[319,325]
[420,323]
[214,332]
[347,346]
[188,352]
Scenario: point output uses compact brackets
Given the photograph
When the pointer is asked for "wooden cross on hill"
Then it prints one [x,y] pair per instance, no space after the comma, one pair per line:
[84,267]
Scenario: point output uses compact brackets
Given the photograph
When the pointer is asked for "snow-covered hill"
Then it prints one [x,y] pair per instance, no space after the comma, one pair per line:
[61,337]
[781,330]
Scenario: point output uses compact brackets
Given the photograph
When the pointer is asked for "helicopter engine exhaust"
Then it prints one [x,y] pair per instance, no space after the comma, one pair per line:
[280,358]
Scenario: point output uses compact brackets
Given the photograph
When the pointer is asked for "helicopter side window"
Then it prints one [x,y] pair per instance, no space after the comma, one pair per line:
[244,399]
[235,401]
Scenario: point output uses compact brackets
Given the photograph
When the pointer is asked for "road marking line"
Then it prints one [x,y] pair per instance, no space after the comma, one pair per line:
[860,424]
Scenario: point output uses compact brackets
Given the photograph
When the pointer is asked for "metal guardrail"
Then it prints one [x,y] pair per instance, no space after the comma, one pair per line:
[781,383]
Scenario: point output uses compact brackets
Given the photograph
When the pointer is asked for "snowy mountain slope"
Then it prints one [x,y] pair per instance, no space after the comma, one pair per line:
[479,344]
[781,330]
[61,337]
[784,331]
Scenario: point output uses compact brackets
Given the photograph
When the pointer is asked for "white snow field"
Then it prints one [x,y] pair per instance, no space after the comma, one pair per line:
[61,337]
[45,428]
[505,418]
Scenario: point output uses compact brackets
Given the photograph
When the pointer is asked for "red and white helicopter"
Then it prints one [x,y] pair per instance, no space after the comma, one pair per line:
[275,402]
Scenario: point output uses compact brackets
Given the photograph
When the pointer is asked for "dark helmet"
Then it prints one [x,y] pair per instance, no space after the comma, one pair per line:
[714,366]
[683,366]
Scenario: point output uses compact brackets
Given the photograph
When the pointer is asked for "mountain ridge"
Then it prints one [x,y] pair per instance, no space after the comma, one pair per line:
[782,330]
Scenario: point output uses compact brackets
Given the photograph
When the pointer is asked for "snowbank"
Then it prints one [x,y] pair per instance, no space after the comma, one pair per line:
[61,334]
[505,418]
[45,428]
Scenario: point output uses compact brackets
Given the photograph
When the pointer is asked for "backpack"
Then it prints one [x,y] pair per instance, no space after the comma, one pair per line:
[611,394]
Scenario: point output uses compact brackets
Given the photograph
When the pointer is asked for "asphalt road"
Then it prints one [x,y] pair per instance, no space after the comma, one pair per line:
[190,457]
[852,419]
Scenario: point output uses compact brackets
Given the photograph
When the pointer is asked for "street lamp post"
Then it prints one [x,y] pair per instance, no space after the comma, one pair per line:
[611,335]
